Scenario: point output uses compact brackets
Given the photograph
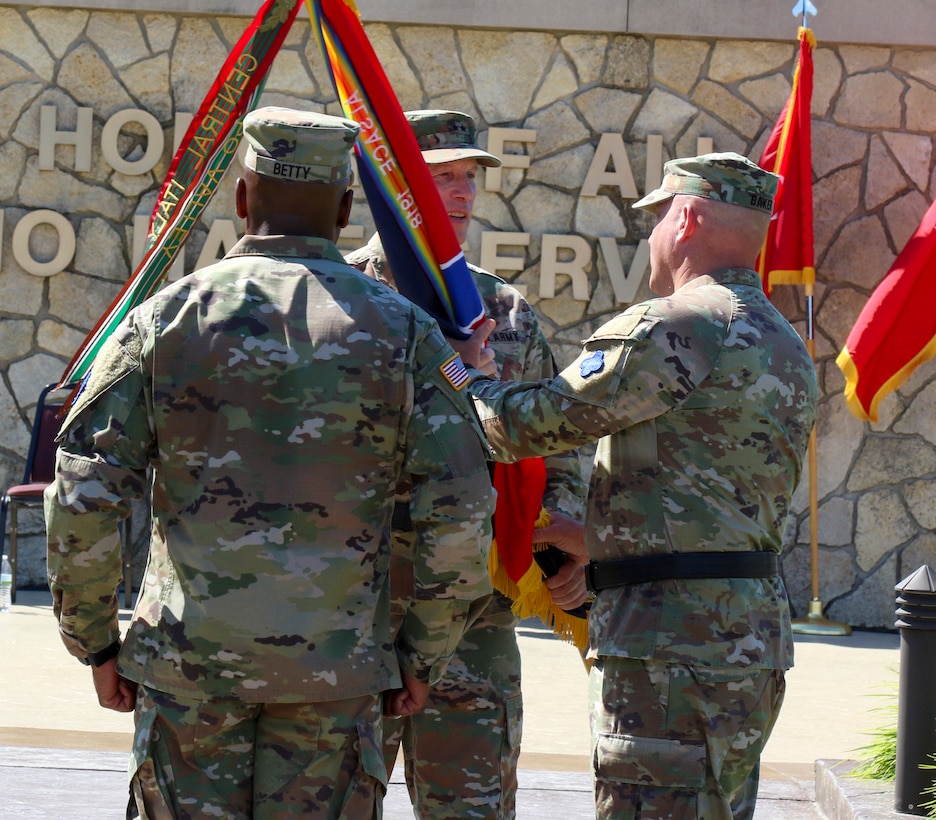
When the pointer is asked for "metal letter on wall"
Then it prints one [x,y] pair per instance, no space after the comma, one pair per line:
[50,136]
[155,140]
[624,284]
[66,243]
[493,177]
[574,268]
[491,242]
[610,147]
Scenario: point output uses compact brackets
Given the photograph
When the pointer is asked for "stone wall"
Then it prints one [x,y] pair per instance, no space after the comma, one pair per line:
[604,109]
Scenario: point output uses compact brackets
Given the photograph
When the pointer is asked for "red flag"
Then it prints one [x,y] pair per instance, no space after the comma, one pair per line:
[787,257]
[517,565]
[896,329]
[519,501]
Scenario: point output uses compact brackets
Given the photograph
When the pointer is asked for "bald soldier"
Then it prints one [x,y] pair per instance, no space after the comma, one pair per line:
[702,401]
[277,399]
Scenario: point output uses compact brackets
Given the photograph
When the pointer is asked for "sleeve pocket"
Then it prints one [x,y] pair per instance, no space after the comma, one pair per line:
[650,761]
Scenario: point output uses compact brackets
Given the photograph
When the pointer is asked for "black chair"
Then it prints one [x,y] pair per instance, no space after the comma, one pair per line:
[40,467]
[39,472]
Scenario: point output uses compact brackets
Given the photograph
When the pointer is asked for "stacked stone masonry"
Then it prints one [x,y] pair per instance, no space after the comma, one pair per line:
[874,112]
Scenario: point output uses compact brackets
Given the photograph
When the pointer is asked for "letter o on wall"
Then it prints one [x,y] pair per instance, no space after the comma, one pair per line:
[155,140]
[66,243]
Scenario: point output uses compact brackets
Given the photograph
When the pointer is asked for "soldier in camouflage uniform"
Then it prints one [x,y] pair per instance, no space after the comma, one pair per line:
[702,402]
[277,398]
[478,700]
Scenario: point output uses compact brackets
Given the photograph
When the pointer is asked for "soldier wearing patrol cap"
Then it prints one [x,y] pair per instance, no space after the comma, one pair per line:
[479,700]
[702,402]
[277,398]
[299,146]
[447,136]
[727,178]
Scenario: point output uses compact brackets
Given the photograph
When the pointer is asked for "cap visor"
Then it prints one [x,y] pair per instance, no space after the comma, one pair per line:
[436,155]
[651,200]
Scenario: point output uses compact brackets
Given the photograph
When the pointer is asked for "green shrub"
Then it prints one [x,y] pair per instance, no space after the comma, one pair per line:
[879,757]
[930,805]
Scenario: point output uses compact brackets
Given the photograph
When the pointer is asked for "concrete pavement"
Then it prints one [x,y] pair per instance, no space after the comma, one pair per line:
[61,755]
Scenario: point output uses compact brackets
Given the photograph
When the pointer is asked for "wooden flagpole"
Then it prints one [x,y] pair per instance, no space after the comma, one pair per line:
[815,623]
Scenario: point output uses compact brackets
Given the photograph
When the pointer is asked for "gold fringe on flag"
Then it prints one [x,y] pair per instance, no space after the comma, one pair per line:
[531,596]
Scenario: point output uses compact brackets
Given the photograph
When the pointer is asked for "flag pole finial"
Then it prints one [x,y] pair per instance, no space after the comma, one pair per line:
[805,7]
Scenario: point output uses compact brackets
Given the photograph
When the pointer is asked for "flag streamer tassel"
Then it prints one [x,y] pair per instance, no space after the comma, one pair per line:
[531,599]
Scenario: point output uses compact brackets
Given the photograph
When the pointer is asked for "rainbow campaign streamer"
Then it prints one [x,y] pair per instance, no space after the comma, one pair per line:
[428,265]
[429,268]
[204,155]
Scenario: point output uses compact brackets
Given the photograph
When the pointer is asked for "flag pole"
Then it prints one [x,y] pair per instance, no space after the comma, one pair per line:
[787,257]
[815,623]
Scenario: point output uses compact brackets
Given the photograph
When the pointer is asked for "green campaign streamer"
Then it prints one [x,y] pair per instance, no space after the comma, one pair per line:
[204,155]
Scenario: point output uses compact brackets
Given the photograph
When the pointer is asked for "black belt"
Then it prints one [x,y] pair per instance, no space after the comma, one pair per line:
[601,575]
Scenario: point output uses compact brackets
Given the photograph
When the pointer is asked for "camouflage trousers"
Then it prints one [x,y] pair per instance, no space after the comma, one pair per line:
[673,741]
[460,754]
[233,760]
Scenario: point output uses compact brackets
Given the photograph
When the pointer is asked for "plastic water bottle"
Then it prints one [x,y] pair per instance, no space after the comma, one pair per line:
[6,584]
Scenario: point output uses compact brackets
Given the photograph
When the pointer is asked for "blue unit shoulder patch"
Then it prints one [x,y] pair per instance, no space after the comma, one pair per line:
[593,364]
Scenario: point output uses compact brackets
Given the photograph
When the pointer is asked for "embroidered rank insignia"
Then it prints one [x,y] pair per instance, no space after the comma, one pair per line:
[593,364]
[455,372]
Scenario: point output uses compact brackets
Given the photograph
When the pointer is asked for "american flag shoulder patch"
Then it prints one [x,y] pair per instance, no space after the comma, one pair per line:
[455,372]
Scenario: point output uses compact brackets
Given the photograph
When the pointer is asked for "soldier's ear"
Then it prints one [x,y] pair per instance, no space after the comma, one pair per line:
[240,198]
[344,209]
[686,220]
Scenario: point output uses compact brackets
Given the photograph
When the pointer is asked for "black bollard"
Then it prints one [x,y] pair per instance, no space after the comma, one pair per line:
[916,706]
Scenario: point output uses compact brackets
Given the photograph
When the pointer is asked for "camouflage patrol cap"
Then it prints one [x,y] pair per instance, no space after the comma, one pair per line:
[303,146]
[726,177]
[445,136]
